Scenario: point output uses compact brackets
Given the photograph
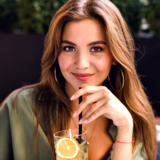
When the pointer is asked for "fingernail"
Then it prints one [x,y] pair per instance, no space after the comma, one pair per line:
[72,97]
[85,121]
[81,121]
[74,114]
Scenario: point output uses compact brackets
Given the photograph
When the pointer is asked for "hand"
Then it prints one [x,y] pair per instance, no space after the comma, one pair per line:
[101,101]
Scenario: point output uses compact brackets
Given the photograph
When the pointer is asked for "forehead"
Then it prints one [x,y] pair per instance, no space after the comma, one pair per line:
[87,29]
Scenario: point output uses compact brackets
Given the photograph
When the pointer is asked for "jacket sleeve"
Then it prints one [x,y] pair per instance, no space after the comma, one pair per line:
[17,130]
[6,150]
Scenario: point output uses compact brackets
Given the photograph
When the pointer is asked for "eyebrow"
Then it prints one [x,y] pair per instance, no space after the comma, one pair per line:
[93,43]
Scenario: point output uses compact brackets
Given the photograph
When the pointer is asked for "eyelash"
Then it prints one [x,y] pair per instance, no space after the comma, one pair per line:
[72,49]
[99,49]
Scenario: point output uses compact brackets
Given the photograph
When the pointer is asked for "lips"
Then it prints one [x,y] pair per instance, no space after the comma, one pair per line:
[83,76]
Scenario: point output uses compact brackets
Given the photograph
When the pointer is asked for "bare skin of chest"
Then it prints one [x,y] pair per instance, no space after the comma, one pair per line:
[100,141]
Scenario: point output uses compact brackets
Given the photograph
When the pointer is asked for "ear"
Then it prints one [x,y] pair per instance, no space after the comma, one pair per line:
[114,62]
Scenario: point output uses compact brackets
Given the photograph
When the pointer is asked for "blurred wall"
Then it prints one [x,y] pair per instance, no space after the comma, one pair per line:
[148,68]
[20,59]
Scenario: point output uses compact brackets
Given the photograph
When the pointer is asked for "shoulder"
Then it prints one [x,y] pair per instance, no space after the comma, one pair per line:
[19,97]
[19,105]
[26,95]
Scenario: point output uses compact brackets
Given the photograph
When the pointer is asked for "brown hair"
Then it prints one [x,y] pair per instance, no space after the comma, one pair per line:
[121,45]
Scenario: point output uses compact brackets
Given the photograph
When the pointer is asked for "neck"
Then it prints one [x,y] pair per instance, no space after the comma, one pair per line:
[70,91]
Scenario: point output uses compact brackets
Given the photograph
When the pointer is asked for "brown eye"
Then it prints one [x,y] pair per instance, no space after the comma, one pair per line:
[69,49]
[96,49]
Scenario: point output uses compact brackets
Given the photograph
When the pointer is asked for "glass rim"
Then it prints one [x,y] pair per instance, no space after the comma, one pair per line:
[85,131]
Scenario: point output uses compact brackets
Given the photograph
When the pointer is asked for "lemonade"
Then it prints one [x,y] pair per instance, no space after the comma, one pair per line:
[71,147]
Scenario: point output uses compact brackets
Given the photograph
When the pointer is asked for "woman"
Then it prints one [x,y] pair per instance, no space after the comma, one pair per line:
[88,45]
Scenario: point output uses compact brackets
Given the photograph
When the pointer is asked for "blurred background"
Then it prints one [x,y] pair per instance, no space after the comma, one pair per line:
[24,24]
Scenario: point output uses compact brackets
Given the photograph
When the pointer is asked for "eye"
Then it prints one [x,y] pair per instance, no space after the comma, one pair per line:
[96,49]
[69,49]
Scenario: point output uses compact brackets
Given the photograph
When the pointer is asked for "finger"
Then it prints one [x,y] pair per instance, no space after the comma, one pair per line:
[90,100]
[93,108]
[95,114]
[88,90]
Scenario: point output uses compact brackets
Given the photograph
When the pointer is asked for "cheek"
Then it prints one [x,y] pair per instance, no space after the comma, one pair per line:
[64,62]
[104,64]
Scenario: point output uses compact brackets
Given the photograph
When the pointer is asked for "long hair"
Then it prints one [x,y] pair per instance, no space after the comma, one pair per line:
[121,46]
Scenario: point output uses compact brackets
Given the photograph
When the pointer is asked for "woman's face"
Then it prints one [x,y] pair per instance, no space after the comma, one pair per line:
[84,58]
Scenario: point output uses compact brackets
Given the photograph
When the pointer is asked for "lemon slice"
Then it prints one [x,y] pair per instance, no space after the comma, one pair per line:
[67,148]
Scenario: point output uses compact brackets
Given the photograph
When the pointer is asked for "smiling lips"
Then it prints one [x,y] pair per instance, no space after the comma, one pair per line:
[82,76]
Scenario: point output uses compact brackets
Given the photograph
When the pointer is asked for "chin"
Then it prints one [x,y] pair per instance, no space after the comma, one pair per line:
[76,86]
[80,84]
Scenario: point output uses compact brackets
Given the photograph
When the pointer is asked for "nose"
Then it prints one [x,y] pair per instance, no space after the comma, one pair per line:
[82,60]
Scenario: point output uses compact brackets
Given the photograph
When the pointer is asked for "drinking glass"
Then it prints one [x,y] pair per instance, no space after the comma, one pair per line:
[81,138]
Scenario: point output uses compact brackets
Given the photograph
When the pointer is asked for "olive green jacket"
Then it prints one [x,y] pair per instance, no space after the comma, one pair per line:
[17,131]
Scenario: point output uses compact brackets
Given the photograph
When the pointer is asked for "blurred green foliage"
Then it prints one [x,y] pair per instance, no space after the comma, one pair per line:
[34,16]
[132,12]
[152,15]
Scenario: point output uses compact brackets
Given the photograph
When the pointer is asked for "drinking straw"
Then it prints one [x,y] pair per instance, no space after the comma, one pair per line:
[80,115]
[70,134]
